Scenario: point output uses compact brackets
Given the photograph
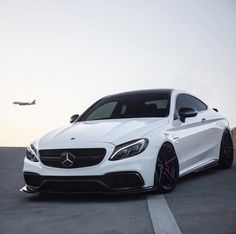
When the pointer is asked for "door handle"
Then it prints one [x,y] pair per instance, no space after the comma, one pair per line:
[204,120]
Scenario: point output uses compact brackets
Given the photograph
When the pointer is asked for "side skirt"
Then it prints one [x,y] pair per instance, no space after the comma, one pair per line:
[199,167]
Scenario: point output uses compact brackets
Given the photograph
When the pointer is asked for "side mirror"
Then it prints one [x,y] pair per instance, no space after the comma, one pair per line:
[187,112]
[73,118]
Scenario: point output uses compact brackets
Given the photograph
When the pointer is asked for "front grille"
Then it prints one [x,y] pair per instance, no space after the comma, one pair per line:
[81,157]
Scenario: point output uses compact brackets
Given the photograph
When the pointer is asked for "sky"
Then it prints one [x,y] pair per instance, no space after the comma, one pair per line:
[68,54]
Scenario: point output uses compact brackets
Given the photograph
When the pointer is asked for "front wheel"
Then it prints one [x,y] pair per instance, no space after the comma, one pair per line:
[226,157]
[167,169]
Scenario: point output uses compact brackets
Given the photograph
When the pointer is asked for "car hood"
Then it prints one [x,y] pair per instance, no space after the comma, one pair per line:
[114,131]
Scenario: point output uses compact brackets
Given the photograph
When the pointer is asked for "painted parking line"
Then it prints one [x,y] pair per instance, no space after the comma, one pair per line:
[162,218]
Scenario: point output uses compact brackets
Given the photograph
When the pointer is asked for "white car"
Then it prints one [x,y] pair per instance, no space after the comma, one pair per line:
[130,142]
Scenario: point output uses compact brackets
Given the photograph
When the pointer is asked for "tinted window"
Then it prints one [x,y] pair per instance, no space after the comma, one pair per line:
[185,100]
[129,106]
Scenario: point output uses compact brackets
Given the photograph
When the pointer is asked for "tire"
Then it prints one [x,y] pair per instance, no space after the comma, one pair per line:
[226,157]
[167,169]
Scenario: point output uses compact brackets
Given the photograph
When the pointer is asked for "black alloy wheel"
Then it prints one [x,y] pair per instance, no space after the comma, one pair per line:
[226,157]
[167,169]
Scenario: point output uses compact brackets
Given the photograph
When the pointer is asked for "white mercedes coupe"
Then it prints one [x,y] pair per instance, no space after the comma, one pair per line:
[130,142]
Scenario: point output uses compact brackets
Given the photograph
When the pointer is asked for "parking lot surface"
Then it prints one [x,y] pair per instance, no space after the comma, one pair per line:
[203,202]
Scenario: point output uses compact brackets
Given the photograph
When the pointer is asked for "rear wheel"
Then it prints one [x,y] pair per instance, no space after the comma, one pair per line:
[167,169]
[226,157]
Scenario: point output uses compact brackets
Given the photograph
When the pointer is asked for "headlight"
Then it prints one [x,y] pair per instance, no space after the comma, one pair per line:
[31,153]
[129,149]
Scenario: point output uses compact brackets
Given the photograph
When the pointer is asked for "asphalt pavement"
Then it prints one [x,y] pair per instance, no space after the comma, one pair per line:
[203,202]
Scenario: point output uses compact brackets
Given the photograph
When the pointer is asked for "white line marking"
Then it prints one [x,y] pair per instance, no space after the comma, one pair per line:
[163,220]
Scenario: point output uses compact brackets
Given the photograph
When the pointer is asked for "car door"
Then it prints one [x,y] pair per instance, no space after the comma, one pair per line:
[191,136]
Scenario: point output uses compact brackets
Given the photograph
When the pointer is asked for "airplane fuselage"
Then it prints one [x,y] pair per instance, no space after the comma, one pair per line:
[25,103]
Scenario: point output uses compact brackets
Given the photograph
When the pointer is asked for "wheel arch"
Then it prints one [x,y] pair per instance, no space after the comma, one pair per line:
[225,131]
[225,162]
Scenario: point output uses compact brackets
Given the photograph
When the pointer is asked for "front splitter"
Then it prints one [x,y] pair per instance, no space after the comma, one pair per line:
[29,190]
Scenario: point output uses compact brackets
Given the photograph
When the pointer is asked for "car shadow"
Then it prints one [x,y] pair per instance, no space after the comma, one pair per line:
[97,198]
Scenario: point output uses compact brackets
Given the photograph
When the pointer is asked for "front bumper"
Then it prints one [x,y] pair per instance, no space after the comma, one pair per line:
[95,177]
[113,183]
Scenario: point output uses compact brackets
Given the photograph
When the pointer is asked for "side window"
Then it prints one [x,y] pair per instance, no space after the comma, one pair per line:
[103,112]
[200,106]
[185,100]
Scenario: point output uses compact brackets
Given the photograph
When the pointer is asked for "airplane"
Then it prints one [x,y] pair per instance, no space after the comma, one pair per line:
[25,103]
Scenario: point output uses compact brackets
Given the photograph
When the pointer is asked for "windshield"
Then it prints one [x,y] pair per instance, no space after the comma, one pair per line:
[129,106]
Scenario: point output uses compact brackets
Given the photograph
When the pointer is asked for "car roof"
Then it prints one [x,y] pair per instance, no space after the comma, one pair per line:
[142,92]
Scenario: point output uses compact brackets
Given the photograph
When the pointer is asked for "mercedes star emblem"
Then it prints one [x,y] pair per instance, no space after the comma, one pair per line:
[67,159]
